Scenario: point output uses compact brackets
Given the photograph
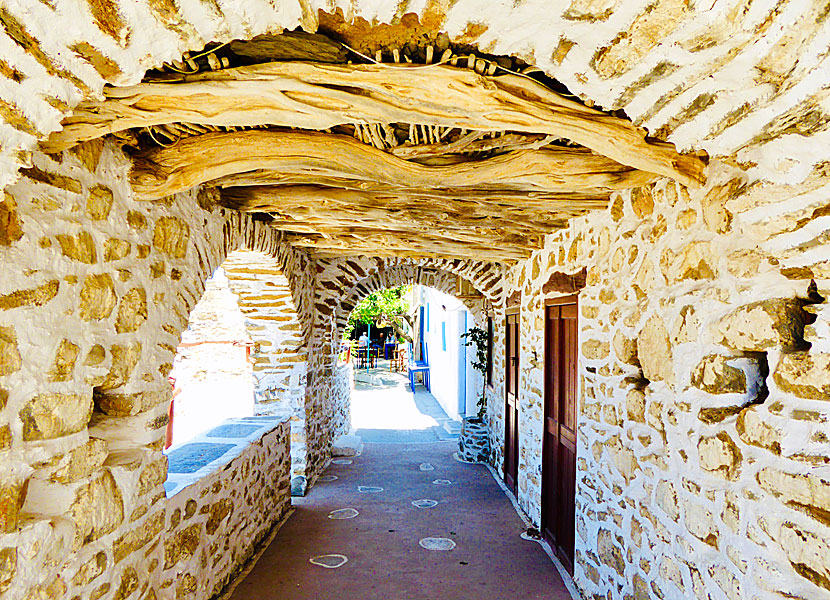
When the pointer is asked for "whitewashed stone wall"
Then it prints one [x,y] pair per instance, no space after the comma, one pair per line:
[269,303]
[215,525]
[95,292]
[703,445]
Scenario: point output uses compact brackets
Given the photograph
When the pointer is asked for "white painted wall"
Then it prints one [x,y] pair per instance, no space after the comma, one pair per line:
[452,379]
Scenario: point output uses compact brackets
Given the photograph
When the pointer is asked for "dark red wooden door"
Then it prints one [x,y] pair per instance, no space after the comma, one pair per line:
[511,416]
[559,443]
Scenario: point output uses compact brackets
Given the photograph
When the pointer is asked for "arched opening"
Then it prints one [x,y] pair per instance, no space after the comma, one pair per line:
[421,384]
[212,375]
[241,365]
[454,302]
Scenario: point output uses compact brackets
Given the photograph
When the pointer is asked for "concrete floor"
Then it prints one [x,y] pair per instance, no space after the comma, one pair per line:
[382,543]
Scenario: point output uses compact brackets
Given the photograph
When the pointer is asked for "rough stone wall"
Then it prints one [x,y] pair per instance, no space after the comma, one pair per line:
[266,297]
[214,526]
[212,372]
[736,78]
[85,410]
[703,445]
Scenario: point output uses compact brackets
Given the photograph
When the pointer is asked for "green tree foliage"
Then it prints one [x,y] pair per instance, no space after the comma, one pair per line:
[384,308]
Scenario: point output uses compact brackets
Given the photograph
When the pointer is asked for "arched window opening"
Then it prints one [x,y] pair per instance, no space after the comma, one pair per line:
[212,376]
[239,369]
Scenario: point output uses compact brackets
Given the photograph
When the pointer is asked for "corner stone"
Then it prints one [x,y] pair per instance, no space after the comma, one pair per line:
[762,325]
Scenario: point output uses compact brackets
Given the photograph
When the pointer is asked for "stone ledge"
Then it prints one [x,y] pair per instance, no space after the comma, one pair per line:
[212,450]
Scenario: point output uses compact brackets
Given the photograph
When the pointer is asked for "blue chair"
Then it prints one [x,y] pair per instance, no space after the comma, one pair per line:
[418,366]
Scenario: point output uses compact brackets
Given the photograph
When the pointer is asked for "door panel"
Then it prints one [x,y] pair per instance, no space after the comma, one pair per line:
[559,443]
[511,414]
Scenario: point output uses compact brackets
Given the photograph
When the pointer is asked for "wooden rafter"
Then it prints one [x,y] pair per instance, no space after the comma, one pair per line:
[297,157]
[316,208]
[398,243]
[319,96]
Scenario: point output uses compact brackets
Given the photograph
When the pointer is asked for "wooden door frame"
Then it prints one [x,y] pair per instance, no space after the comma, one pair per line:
[559,301]
[509,312]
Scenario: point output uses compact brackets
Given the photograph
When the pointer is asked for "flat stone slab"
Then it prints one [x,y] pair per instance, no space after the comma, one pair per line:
[437,543]
[343,513]
[192,457]
[347,445]
[232,431]
[329,561]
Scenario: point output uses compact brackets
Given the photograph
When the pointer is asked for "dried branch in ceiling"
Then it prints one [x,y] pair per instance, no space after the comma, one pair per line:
[406,159]
[490,222]
[309,158]
[319,96]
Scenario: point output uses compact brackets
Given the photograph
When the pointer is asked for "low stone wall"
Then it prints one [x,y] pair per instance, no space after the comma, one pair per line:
[215,524]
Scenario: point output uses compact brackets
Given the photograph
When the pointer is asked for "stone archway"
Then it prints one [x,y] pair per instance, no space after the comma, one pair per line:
[671,67]
[340,285]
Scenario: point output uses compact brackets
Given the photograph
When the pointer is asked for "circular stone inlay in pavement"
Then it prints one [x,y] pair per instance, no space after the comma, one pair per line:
[341,461]
[442,482]
[369,489]
[327,478]
[425,503]
[343,513]
[329,561]
[426,467]
[434,543]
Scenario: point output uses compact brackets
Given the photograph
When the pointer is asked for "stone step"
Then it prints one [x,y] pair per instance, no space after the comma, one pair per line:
[347,445]
[452,427]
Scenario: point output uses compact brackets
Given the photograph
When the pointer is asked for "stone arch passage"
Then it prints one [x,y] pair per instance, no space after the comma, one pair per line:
[341,282]
[82,249]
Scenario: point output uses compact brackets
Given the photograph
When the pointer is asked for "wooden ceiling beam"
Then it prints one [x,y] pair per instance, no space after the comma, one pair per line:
[321,205]
[312,157]
[386,243]
[319,96]
[490,202]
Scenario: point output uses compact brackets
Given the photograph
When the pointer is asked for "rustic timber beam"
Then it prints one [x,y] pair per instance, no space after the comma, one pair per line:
[394,243]
[320,96]
[318,157]
[317,206]
[251,197]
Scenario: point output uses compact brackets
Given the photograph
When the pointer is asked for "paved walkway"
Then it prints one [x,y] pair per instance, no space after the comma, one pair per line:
[402,521]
